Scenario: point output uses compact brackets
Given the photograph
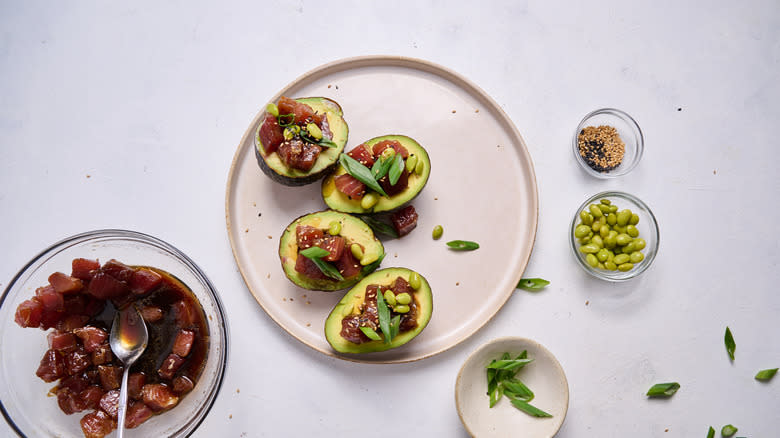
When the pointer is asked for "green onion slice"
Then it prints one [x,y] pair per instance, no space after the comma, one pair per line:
[517,389]
[384,316]
[532,284]
[462,245]
[730,344]
[361,173]
[509,364]
[379,227]
[315,254]
[286,120]
[371,267]
[529,409]
[711,433]
[766,375]
[396,169]
[728,430]
[371,333]
[663,389]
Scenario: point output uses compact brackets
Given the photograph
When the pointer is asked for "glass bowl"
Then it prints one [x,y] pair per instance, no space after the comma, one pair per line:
[629,132]
[23,396]
[647,227]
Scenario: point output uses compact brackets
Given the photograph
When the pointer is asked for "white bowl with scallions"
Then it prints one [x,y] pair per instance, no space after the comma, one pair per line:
[512,384]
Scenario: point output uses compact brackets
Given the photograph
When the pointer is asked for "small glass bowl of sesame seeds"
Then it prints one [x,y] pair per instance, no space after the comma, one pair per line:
[608,143]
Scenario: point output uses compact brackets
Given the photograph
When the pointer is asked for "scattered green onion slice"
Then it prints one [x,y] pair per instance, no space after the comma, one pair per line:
[532,284]
[462,245]
[663,389]
[361,173]
[516,389]
[529,409]
[728,430]
[711,433]
[395,326]
[328,143]
[396,169]
[766,375]
[315,254]
[384,316]
[283,120]
[730,345]
[509,364]
[371,333]
[380,168]
[379,226]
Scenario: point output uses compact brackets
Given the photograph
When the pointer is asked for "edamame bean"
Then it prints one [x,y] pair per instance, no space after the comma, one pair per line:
[415,281]
[619,229]
[625,267]
[623,239]
[584,241]
[403,298]
[621,259]
[595,211]
[589,248]
[639,244]
[411,162]
[601,266]
[606,201]
[401,308]
[438,230]
[314,131]
[369,200]
[602,255]
[611,239]
[596,240]
[272,109]
[334,228]
[636,257]
[613,208]
[597,224]
[588,219]
[634,219]
[357,250]
[632,231]
[604,208]
[623,217]
[419,167]
[580,231]
[611,219]
[628,249]
[390,297]
[610,265]
[592,260]
[604,231]
[388,154]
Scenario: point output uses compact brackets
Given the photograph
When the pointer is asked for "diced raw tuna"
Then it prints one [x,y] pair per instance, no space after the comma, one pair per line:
[71,322]
[350,186]
[159,397]
[170,365]
[384,144]
[94,306]
[102,355]
[182,385]
[347,265]
[400,185]
[298,154]
[91,396]
[62,341]
[52,366]
[29,313]
[401,286]
[74,384]
[76,304]
[110,376]
[97,424]
[69,401]
[362,155]
[50,299]
[77,361]
[307,236]
[185,314]
[109,403]
[135,383]
[271,134]
[91,337]
[151,313]
[302,111]
[183,342]
[404,220]
[83,269]
[307,267]
[334,245]
[137,414]
[51,318]
[350,330]
[144,281]
[118,270]
[65,284]
[104,286]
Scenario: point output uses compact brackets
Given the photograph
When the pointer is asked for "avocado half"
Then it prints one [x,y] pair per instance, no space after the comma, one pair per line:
[341,202]
[273,166]
[352,229]
[348,304]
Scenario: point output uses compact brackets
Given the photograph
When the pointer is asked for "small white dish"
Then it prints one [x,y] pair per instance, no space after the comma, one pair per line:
[544,376]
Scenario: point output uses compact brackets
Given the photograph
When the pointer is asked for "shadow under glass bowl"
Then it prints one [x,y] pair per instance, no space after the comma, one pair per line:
[629,132]
[647,227]
[23,396]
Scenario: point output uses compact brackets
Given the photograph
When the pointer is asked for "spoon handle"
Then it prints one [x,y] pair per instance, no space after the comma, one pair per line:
[120,426]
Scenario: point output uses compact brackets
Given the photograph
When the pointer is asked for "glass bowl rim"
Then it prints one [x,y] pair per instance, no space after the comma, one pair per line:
[631,122]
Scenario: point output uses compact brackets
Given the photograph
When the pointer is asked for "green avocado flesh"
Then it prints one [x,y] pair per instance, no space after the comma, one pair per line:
[341,202]
[352,229]
[348,306]
[273,166]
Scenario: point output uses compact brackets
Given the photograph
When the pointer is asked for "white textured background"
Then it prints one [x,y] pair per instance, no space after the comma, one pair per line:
[128,115]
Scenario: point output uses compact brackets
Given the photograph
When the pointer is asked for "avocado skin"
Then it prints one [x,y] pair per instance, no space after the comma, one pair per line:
[423,297]
[295,181]
[288,248]
[340,202]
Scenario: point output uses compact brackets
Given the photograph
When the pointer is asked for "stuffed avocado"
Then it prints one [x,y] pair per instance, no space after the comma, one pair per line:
[341,250]
[398,169]
[300,140]
[356,324]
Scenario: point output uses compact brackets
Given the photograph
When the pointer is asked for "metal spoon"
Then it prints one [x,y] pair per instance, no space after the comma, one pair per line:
[128,341]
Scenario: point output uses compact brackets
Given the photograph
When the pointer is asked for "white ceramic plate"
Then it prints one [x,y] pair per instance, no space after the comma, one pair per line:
[482,188]
[544,376]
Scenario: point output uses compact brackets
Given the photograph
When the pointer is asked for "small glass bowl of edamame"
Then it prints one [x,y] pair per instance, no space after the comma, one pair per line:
[614,236]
